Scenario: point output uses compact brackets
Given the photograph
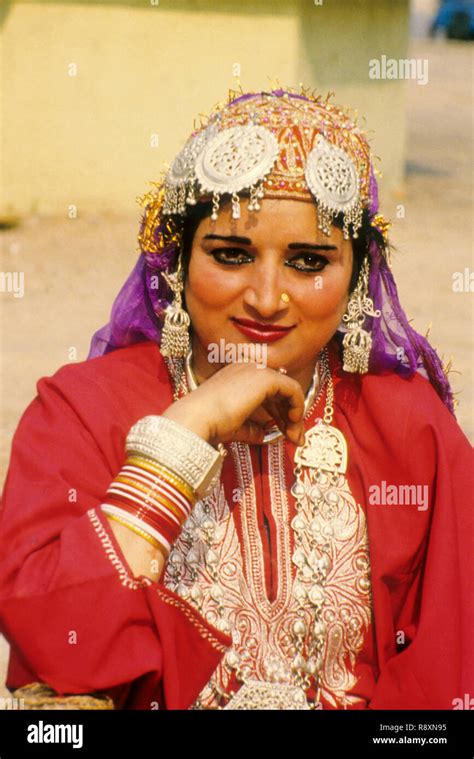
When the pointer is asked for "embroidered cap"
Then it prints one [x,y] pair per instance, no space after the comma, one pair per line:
[278,145]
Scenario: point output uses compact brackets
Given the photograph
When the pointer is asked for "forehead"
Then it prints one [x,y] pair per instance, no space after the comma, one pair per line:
[278,220]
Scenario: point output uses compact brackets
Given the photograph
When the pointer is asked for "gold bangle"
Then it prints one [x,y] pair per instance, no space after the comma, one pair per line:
[154,467]
[161,471]
[139,532]
[148,491]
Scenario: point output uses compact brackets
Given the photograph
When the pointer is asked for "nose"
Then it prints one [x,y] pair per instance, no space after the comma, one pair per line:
[263,292]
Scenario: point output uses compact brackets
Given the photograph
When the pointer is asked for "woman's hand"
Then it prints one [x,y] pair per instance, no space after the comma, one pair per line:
[238,402]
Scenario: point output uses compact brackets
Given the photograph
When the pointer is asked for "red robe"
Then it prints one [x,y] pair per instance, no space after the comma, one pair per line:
[78,620]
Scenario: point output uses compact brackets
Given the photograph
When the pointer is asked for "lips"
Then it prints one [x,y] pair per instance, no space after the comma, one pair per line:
[267,333]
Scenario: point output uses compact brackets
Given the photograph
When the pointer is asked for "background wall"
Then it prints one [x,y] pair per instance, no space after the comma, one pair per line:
[83,136]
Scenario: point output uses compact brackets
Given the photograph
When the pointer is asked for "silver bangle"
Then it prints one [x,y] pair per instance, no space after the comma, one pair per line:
[174,446]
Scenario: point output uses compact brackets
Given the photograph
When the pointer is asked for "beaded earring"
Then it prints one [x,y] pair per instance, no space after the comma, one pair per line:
[175,333]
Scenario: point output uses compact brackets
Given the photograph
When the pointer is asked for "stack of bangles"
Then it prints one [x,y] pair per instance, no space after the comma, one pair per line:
[168,469]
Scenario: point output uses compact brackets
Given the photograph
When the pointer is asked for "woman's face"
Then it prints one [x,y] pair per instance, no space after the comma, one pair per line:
[239,269]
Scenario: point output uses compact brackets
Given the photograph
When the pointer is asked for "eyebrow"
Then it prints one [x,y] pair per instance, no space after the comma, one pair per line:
[230,238]
[291,246]
[310,246]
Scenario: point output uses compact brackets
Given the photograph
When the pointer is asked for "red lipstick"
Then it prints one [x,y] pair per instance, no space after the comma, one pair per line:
[261,333]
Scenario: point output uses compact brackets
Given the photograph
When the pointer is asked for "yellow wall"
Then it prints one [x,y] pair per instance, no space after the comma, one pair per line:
[145,69]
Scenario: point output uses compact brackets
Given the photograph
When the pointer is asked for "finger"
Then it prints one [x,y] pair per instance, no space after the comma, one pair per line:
[293,431]
[253,434]
[250,433]
[297,436]
[287,390]
[288,408]
[261,415]
[286,404]
[275,414]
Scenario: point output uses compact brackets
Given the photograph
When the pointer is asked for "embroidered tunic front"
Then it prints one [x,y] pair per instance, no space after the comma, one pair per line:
[233,561]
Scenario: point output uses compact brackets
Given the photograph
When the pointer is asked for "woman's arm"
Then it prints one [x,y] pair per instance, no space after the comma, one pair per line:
[76,614]
[217,412]
[143,558]
[80,602]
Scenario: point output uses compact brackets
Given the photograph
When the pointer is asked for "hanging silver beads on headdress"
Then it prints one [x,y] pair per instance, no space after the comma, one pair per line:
[279,146]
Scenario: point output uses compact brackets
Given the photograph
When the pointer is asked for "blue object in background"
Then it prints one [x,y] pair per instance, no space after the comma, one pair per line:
[456,18]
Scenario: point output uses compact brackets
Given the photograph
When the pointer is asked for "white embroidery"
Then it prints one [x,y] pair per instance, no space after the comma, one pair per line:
[125,578]
[237,602]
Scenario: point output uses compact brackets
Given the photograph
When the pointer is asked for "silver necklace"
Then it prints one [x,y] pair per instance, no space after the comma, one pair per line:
[319,473]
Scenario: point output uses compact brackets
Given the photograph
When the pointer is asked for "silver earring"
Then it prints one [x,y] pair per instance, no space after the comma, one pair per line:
[357,342]
[175,332]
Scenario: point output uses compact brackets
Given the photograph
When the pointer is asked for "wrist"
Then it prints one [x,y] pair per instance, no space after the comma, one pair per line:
[175,446]
[183,413]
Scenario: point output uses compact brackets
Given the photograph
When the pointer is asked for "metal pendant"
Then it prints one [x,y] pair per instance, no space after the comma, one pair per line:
[256,694]
[236,159]
[325,448]
[332,176]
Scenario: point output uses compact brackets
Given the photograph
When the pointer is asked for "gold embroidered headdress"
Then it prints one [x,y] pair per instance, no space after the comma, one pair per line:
[280,145]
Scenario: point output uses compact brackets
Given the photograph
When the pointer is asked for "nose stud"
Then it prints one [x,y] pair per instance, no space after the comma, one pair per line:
[285,297]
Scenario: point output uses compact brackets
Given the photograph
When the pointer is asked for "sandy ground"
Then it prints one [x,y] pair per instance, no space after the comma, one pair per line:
[73,268]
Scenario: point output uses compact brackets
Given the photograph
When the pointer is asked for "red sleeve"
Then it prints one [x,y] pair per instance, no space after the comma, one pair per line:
[73,613]
[431,599]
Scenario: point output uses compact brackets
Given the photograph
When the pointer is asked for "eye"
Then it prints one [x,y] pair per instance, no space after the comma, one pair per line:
[231,256]
[308,262]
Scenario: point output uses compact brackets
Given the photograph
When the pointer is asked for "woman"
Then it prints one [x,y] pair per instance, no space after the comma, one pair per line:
[269,509]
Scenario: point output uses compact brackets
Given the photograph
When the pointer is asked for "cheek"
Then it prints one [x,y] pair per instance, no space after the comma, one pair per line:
[327,298]
[208,286]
